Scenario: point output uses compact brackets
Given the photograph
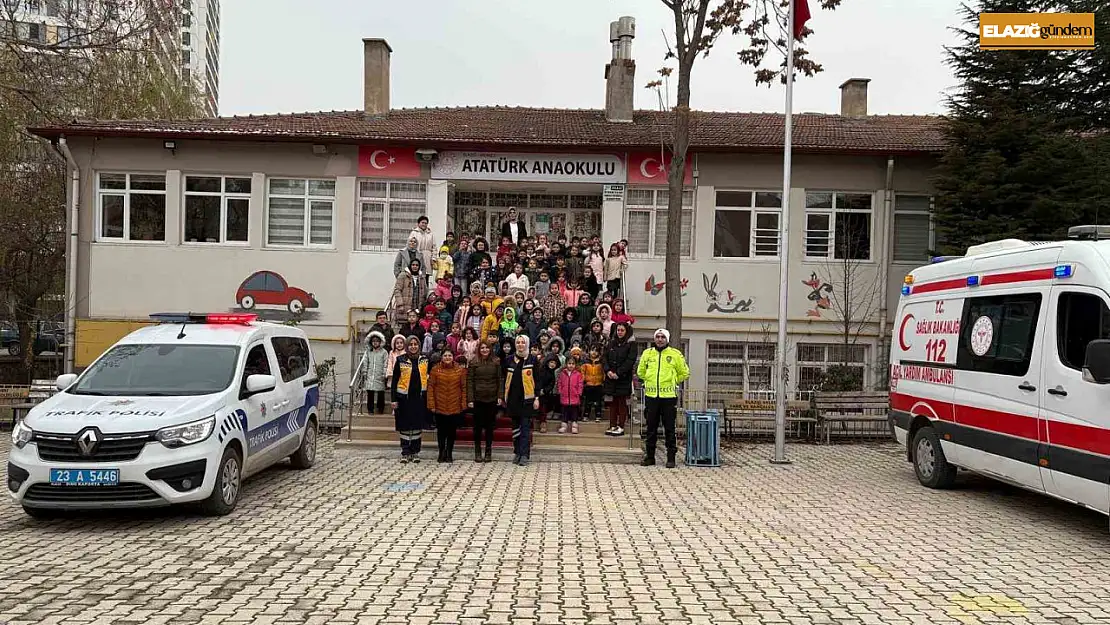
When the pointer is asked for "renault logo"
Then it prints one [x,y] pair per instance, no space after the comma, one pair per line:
[88,441]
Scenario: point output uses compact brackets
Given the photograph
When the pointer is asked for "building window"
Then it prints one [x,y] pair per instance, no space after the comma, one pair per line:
[36,32]
[186,58]
[746,224]
[34,7]
[389,207]
[300,212]
[815,359]
[186,38]
[838,225]
[217,209]
[913,228]
[1012,328]
[646,222]
[186,21]
[132,207]
[735,370]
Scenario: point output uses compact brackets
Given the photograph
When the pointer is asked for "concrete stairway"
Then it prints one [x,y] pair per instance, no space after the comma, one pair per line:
[377,431]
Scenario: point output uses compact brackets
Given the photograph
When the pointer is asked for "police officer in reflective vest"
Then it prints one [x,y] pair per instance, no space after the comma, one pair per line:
[661,370]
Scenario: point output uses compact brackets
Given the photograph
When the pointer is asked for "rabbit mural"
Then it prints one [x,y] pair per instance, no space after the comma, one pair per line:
[733,304]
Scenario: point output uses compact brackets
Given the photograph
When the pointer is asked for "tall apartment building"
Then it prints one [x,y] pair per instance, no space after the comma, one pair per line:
[200,49]
[191,51]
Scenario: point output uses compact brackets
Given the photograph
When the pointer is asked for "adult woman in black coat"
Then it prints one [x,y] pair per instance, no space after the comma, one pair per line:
[619,364]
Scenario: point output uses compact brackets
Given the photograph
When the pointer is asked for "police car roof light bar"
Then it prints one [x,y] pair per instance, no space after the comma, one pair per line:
[210,318]
[231,318]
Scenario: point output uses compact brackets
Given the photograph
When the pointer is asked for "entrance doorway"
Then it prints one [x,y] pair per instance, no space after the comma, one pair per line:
[574,214]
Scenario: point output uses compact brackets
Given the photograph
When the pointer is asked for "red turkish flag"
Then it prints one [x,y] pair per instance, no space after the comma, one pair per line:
[653,168]
[378,162]
[801,16]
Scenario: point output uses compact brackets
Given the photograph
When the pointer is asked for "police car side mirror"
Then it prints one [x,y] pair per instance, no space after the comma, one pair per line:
[65,381]
[260,384]
[1096,367]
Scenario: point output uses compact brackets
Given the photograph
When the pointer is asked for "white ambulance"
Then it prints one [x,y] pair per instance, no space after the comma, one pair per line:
[1000,364]
[178,412]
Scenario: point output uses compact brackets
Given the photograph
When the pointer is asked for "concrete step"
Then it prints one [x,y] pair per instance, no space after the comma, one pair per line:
[386,421]
[463,452]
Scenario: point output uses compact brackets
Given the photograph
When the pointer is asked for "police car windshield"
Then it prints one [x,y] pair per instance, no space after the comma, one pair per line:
[160,370]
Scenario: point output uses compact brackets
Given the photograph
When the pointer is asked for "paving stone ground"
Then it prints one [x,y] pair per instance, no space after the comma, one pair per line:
[843,535]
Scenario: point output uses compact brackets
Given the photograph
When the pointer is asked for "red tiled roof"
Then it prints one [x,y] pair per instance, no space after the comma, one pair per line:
[522,127]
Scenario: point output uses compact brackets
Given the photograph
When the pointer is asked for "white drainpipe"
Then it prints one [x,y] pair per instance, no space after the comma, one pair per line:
[884,262]
[71,254]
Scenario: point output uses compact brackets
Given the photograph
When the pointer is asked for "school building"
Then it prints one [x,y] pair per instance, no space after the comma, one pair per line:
[302,214]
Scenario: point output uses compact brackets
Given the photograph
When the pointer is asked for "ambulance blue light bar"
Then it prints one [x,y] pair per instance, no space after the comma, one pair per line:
[1062,271]
[210,318]
[940,259]
[973,280]
[905,289]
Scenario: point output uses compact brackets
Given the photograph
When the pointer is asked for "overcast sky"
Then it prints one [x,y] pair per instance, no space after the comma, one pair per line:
[307,56]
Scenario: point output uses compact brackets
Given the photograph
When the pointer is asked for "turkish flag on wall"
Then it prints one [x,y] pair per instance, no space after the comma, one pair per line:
[801,16]
[652,168]
[377,162]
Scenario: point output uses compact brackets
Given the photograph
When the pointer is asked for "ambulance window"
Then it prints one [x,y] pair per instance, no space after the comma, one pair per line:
[1007,345]
[1080,319]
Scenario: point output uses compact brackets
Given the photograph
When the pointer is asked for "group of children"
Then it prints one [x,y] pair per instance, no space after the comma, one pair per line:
[563,297]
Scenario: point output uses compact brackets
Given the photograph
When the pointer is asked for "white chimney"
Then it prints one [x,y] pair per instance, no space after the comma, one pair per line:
[620,73]
[375,77]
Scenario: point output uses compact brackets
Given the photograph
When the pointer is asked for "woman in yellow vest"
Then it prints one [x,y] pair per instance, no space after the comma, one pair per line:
[410,386]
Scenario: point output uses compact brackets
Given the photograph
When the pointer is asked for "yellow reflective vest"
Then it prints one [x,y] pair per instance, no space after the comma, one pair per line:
[662,371]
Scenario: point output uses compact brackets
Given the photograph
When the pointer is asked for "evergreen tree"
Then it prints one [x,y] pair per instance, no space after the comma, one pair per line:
[1029,151]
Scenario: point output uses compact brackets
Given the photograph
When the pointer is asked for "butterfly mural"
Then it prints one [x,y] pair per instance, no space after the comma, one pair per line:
[655,288]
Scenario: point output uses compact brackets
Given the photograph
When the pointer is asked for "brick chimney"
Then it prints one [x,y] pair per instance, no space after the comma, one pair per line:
[853,97]
[621,71]
[375,80]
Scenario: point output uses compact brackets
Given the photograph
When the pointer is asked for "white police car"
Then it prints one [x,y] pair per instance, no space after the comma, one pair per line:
[177,412]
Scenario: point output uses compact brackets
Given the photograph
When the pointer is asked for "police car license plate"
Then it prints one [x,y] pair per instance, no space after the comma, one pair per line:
[84,477]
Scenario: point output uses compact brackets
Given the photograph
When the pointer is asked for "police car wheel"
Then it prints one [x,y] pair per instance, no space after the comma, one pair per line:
[225,493]
[305,455]
[13,349]
[929,462]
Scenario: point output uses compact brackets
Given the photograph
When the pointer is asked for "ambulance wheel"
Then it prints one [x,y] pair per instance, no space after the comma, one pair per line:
[247,302]
[225,493]
[305,455]
[932,468]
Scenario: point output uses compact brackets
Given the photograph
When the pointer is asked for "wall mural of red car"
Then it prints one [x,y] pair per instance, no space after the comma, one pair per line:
[269,288]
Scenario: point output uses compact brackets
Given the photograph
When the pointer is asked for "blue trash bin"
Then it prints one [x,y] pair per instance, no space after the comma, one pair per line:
[703,438]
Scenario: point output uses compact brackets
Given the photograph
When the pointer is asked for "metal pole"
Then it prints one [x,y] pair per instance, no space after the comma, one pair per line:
[784,251]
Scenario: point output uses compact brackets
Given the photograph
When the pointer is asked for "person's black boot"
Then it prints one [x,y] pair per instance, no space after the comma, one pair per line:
[670,461]
[489,455]
[648,461]
[442,457]
[449,455]
[477,454]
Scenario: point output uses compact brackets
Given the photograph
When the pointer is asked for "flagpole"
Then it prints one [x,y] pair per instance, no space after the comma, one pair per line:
[784,251]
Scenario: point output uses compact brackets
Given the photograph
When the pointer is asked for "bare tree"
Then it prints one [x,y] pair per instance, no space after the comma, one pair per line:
[698,24]
[91,59]
[852,303]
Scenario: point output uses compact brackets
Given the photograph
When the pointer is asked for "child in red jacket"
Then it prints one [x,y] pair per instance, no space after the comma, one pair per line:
[570,385]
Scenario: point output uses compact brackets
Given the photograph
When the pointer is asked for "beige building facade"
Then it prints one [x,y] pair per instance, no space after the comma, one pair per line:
[301,216]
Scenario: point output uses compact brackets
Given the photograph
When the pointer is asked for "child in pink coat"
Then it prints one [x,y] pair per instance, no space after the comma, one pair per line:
[569,386]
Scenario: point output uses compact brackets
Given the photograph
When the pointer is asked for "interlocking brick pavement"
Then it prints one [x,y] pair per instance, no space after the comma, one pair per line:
[843,535]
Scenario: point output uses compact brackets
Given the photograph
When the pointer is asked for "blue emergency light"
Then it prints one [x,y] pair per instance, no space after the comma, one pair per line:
[1062,271]
[973,280]
[905,289]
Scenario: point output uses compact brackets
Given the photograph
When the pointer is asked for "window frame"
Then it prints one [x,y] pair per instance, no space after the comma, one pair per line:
[224,196]
[894,225]
[754,213]
[968,361]
[744,361]
[284,370]
[828,361]
[834,213]
[1060,297]
[126,192]
[307,200]
[653,223]
[387,202]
